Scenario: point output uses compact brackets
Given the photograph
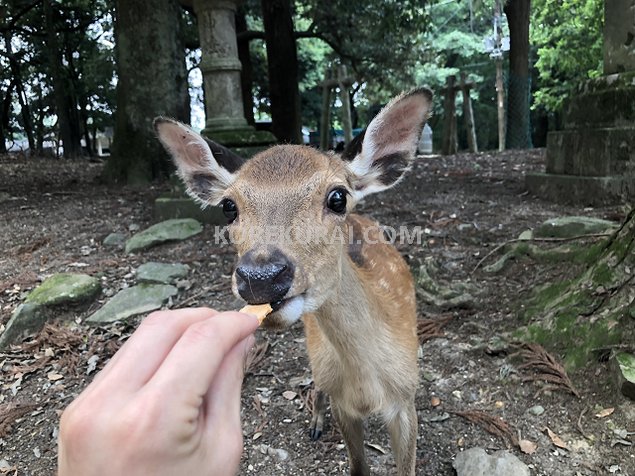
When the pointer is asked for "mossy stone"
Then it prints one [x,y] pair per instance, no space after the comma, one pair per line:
[567,227]
[133,301]
[169,230]
[64,288]
[165,273]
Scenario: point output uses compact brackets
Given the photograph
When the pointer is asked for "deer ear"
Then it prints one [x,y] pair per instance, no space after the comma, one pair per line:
[389,143]
[206,174]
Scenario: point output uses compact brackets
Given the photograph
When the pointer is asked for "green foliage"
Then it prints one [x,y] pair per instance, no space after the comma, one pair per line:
[453,43]
[86,50]
[567,35]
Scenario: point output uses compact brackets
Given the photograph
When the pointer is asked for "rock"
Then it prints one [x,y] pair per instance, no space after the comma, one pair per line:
[26,319]
[537,410]
[165,273]
[476,462]
[169,230]
[567,227]
[168,206]
[526,235]
[133,301]
[57,290]
[115,240]
[64,288]
[278,453]
[440,295]
[624,373]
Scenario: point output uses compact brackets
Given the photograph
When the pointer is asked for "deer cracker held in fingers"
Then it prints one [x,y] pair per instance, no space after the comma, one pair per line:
[354,291]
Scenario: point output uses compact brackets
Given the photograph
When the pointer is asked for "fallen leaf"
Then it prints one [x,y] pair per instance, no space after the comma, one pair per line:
[556,440]
[289,394]
[376,448]
[435,401]
[527,447]
[604,413]
[52,376]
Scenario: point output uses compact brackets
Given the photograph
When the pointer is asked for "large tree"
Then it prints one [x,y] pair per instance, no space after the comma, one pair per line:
[152,81]
[282,61]
[518,126]
[63,87]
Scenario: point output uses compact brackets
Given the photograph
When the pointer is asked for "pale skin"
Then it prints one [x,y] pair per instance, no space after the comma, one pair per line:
[167,403]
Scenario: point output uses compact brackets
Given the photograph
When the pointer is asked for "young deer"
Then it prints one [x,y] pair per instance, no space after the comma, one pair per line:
[354,292]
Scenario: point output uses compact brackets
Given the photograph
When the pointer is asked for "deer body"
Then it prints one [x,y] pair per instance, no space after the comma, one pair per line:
[353,291]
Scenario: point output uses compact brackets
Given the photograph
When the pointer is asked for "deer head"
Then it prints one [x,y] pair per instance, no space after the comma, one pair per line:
[297,192]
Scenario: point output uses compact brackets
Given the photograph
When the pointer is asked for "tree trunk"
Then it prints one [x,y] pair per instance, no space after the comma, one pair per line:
[151,71]
[5,109]
[63,89]
[246,79]
[282,61]
[518,127]
[25,112]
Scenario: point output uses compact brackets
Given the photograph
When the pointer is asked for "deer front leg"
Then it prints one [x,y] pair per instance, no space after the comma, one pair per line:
[403,439]
[319,409]
[352,429]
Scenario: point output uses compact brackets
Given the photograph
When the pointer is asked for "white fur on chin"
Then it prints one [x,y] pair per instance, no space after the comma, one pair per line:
[292,310]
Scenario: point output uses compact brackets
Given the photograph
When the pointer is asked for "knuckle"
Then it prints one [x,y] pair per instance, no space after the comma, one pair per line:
[204,331]
[156,318]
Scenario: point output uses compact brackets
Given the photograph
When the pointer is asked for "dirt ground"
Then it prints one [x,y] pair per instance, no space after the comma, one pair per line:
[55,214]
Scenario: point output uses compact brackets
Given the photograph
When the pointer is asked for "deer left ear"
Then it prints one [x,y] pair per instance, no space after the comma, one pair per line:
[390,142]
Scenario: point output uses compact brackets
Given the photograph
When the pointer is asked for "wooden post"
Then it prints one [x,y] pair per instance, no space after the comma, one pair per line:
[450,142]
[468,114]
[500,93]
[346,105]
[325,121]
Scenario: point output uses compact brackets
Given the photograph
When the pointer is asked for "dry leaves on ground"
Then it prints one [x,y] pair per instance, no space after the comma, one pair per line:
[10,412]
[430,328]
[545,367]
[492,424]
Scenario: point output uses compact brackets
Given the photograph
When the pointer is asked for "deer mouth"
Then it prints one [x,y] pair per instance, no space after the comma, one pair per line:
[277,305]
[286,311]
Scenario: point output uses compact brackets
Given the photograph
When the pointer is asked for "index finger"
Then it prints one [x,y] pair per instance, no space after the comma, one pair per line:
[194,360]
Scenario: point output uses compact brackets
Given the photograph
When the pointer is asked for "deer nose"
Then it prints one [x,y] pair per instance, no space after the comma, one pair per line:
[264,281]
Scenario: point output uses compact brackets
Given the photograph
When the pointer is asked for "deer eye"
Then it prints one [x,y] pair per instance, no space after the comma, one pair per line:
[230,210]
[336,200]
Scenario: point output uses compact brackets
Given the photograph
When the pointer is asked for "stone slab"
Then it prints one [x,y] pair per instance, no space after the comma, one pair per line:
[572,189]
[248,137]
[168,230]
[607,101]
[115,240]
[55,292]
[27,319]
[132,302]
[168,207]
[64,288]
[165,273]
[476,462]
[592,152]
[570,226]
[619,36]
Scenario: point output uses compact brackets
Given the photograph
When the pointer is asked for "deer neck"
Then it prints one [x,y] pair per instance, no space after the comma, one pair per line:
[348,314]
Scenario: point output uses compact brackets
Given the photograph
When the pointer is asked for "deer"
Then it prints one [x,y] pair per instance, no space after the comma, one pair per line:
[354,294]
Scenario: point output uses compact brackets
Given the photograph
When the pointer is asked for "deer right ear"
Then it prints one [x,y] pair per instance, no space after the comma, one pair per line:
[206,174]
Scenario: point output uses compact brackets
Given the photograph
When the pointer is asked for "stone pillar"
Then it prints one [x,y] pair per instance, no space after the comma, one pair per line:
[619,36]
[592,160]
[225,121]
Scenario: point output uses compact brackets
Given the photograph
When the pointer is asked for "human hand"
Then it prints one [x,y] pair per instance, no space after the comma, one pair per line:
[167,403]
